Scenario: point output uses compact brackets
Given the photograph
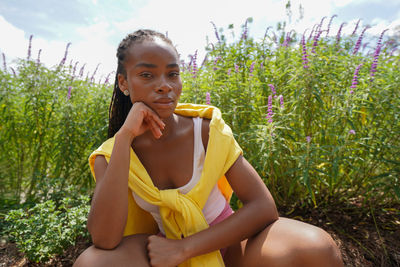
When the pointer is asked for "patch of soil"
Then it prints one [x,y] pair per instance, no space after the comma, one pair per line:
[365,237]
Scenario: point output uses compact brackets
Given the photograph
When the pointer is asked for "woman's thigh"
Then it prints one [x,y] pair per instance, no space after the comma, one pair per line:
[286,242]
[131,251]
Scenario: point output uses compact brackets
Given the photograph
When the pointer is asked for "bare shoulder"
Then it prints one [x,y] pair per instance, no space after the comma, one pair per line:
[205,129]
[100,166]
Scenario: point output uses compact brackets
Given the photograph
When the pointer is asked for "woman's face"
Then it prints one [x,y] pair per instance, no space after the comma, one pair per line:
[152,76]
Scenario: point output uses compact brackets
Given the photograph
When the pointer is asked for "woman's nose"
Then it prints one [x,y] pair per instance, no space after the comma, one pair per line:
[163,86]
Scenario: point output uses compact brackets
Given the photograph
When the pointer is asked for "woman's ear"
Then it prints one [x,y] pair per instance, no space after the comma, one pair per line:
[122,82]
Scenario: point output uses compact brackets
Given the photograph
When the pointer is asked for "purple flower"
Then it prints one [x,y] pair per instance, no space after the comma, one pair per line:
[217,59]
[312,32]
[358,44]
[236,68]
[329,25]
[355,29]
[4,62]
[107,80]
[74,69]
[69,92]
[216,32]
[251,68]
[272,89]
[30,47]
[204,60]
[270,112]
[352,132]
[308,138]
[94,73]
[13,71]
[244,35]
[376,54]
[281,101]
[81,70]
[229,72]
[194,62]
[266,32]
[354,82]
[304,58]
[38,57]
[62,62]
[208,98]
[316,38]
[339,32]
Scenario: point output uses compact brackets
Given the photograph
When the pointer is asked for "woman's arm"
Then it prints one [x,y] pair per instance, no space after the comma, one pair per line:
[109,209]
[258,211]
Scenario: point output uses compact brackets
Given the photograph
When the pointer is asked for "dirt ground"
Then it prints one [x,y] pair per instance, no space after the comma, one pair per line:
[364,238]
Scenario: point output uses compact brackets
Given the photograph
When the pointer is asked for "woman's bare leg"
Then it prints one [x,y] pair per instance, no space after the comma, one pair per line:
[130,252]
[286,242]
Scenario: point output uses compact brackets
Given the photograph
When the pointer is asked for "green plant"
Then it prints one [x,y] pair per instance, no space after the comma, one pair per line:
[45,229]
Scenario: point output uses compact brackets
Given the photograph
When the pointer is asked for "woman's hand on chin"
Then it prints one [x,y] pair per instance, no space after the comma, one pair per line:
[140,119]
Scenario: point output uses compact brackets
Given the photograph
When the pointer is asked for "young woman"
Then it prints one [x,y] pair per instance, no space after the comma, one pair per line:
[165,176]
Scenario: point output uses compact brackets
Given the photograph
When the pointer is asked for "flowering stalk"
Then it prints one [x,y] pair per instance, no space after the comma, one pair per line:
[216,32]
[62,62]
[94,73]
[4,62]
[208,98]
[354,82]
[244,35]
[69,92]
[281,101]
[251,68]
[194,62]
[236,68]
[266,32]
[270,112]
[375,62]
[304,58]
[329,24]
[30,47]
[38,58]
[81,70]
[316,38]
[339,32]
[358,44]
[355,29]
[13,71]
[272,89]
[376,54]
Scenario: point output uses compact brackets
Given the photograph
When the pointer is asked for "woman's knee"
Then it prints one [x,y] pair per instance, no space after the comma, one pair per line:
[288,242]
[312,246]
[130,252]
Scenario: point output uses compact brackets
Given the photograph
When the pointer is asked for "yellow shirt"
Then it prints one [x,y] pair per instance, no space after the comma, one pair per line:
[181,213]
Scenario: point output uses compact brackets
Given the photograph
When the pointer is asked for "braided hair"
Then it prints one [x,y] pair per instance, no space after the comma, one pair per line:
[121,104]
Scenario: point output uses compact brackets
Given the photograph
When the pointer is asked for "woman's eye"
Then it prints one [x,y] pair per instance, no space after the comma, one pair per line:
[174,74]
[145,75]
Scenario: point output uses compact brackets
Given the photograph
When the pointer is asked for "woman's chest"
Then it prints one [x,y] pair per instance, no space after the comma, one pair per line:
[169,165]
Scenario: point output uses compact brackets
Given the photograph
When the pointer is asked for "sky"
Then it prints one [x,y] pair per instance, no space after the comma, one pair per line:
[95,27]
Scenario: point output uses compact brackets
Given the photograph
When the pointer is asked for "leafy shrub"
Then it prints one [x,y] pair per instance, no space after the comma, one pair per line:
[46,230]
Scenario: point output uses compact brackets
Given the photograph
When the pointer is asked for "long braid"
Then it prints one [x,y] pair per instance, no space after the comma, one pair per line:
[121,104]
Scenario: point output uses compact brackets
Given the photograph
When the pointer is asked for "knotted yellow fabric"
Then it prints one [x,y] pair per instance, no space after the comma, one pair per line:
[181,214]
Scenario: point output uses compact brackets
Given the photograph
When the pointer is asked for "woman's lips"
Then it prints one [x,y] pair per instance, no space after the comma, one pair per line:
[164,103]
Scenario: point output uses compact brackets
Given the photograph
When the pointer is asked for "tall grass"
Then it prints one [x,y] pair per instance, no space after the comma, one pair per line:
[51,119]
[317,118]
[317,131]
